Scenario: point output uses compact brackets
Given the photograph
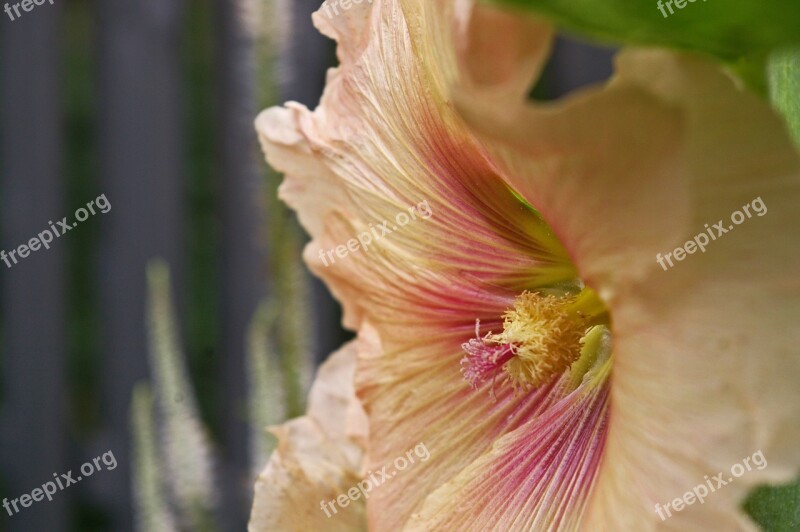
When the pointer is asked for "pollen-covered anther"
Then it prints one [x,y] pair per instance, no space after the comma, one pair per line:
[544,333]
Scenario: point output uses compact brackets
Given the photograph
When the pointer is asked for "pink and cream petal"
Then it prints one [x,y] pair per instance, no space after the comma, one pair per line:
[421,397]
[705,361]
[409,147]
[536,477]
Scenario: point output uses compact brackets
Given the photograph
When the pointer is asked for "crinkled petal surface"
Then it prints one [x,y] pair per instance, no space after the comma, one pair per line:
[428,106]
[319,457]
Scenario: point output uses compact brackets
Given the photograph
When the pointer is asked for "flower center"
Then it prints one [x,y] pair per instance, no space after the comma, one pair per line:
[542,337]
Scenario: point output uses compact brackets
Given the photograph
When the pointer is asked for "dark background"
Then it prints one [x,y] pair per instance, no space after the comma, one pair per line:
[150,102]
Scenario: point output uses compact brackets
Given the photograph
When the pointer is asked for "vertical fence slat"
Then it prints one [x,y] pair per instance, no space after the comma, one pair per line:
[304,66]
[141,147]
[242,242]
[34,438]
[576,64]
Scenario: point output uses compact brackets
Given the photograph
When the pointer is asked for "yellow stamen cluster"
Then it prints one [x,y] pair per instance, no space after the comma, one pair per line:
[544,332]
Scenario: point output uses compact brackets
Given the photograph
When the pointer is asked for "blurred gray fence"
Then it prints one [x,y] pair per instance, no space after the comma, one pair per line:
[140,89]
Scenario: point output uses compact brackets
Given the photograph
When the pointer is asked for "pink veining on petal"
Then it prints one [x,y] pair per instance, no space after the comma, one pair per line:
[537,477]
[484,360]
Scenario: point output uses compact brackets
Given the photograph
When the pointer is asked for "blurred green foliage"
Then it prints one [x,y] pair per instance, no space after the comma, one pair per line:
[83,181]
[84,315]
[784,86]
[83,330]
[291,291]
[201,320]
[775,508]
[729,30]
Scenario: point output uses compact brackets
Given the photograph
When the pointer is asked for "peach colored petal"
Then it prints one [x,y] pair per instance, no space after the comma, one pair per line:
[720,326]
[620,173]
[408,147]
[347,26]
[498,51]
[416,297]
[318,458]
[562,158]
[422,289]
[705,353]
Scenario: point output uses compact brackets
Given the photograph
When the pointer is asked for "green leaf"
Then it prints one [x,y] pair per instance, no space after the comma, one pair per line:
[775,508]
[783,71]
[729,30]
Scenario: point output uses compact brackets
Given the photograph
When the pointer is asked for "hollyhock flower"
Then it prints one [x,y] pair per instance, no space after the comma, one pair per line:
[525,332]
